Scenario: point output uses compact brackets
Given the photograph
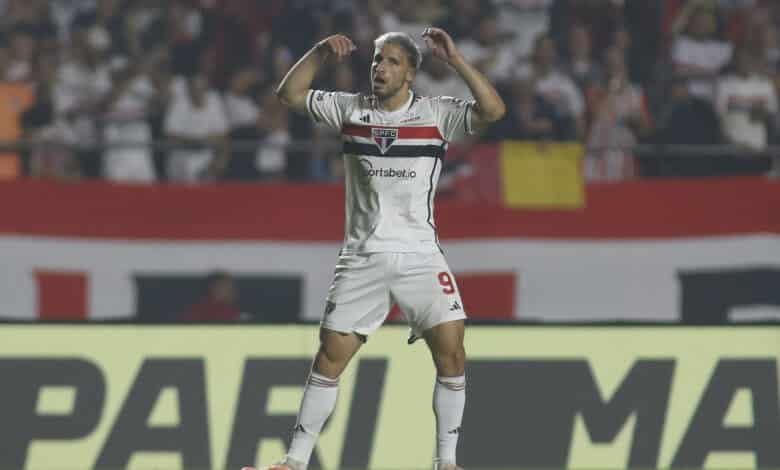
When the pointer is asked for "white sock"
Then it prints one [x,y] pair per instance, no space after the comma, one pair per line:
[319,400]
[449,398]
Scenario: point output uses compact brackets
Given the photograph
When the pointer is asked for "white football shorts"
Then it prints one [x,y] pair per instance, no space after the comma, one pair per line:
[365,286]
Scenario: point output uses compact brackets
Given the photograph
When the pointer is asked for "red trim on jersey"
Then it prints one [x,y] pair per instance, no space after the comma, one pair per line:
[408,132]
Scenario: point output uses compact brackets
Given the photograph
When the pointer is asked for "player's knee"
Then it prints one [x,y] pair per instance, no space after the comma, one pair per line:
[334,354]
[459,358]
[452,362]
[328,364]
[331,353]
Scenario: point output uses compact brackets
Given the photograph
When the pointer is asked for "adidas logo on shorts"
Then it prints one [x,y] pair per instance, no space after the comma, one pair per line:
[329,307]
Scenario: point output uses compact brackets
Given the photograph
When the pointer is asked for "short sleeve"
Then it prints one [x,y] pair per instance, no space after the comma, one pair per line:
[453,116]
[217,116]
[771,98]
[678,54]
[577,102]
[329,107]
[721,96]
[175,119]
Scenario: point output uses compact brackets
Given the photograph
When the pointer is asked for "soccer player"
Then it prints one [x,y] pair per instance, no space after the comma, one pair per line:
[394,141]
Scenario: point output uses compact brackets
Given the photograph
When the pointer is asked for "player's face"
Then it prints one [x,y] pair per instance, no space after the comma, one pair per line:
[390,71]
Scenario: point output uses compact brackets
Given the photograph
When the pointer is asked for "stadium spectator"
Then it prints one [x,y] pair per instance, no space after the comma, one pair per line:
[45,73]
[620,119]
[219,303]
[52,140]
[746,102]
[556,87]
[144,27]
[621,39]
[242,33]
[21,10]
[126,129]
[530,117]
[736,18]
[23,46]
[761,37]
[487,49]
[411,16]
[687,119]
[698,52]
[83,82]
[458,18]
[185,21]
[62,13]
[522,21]
[163,79]
[642,21]
[31,13]
[280,60]
[51,154]
[601,17]
[197,123]
[436,78]
[255,115]
[271,158]
[580,64]
[298,24]
[242,113]
[106,20]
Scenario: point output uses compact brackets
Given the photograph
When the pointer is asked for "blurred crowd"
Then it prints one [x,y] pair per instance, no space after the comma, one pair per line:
[182,90]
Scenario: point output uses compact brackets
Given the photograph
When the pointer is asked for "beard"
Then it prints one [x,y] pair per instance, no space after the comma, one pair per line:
[387,90]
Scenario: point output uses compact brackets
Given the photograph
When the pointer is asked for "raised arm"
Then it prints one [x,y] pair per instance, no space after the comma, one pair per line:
[490,107]
[295,85]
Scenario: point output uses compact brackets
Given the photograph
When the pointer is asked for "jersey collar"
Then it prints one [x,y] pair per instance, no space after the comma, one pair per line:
[406,106]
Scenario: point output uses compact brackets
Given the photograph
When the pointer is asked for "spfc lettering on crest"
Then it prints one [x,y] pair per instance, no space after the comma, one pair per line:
[384,137]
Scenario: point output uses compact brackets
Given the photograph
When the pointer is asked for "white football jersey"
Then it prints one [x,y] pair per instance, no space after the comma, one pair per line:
[392,162]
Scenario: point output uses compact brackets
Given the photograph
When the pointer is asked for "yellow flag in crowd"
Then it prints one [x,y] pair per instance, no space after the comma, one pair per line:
[544,175]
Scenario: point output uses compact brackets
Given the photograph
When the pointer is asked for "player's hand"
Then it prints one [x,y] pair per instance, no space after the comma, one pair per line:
[338,46]
[441,44]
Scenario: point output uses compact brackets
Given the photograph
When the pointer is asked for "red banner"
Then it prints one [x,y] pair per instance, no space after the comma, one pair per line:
[233,211]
